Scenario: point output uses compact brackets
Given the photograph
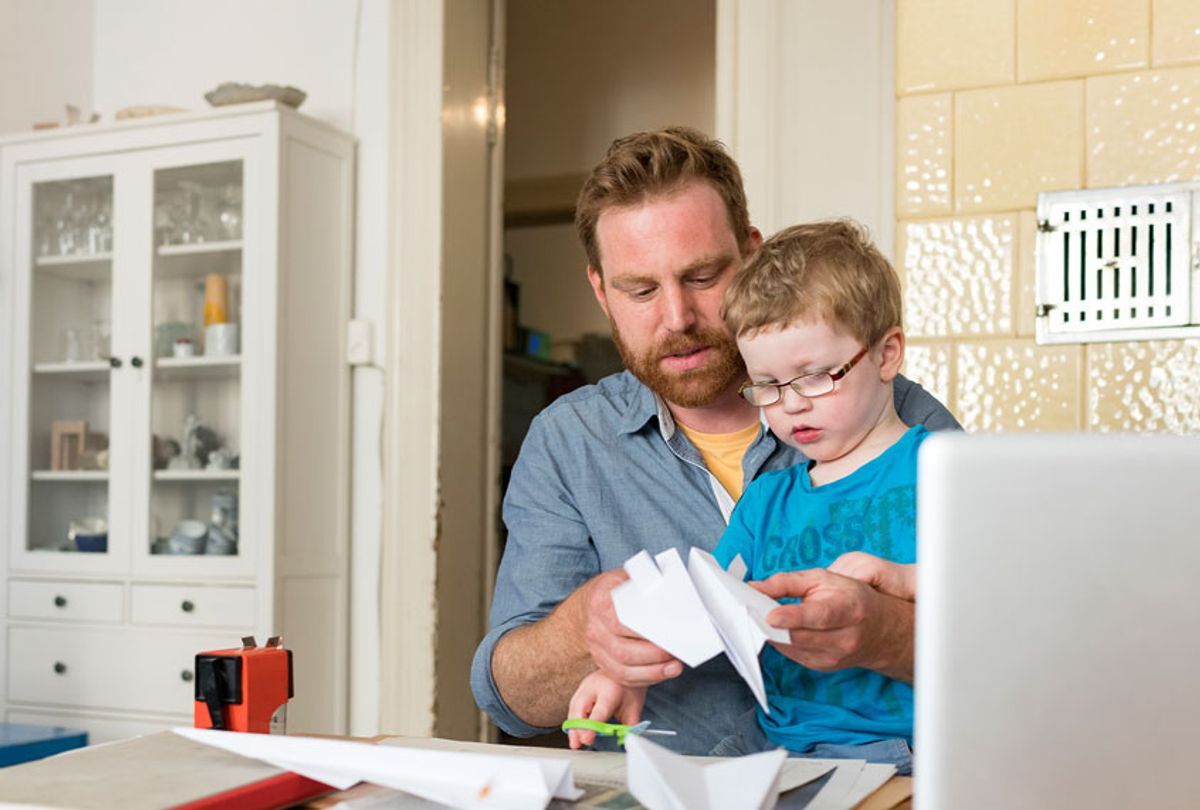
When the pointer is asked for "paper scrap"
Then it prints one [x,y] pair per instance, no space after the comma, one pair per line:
[472,781]
[663,780]
[664,602]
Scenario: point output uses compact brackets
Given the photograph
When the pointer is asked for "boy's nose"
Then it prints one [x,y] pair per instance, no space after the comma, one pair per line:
[793,402]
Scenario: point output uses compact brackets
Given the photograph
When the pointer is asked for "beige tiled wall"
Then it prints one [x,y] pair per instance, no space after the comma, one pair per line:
[998,100]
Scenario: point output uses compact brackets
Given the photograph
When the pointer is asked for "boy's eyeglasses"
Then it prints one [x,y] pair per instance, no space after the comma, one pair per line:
[763,394]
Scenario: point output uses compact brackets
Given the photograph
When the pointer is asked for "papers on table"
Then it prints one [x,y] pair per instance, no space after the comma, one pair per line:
[666,603]
[456,779]
[663,780]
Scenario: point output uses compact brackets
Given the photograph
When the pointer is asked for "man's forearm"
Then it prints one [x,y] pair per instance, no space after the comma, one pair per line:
[538,667]
[899,634]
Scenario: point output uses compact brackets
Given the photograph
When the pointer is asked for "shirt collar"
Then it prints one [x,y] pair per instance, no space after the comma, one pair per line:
[643,406]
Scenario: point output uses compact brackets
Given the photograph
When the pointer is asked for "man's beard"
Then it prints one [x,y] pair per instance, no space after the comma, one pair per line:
[692,388]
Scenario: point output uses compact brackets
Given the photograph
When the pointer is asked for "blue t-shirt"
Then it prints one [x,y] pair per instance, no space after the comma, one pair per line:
[784,523]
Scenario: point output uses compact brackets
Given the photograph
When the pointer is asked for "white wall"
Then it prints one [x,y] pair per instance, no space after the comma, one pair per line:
[45,60]
[579,74]
[151,52]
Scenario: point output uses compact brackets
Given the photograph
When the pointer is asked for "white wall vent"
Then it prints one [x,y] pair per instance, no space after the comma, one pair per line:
[1118,264]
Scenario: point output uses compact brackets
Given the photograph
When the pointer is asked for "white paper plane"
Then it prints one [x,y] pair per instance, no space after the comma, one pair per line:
[698,612]
[663,780]
[463,780]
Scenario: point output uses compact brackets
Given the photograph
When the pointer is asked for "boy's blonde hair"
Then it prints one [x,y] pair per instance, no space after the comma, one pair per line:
[645,164]
[826,271]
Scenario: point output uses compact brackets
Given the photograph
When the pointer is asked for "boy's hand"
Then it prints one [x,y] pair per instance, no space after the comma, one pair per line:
[599,697]
[842,623]
[622,654]
[894,579]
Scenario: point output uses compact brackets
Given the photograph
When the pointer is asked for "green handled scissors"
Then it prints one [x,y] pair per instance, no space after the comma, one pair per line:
[617,730]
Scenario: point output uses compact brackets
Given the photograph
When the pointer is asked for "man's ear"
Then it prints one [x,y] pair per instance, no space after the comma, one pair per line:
[753,243]
[891,353]
[596,279]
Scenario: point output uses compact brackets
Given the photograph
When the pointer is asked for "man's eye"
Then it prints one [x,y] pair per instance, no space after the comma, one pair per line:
[703,281]
[642,293]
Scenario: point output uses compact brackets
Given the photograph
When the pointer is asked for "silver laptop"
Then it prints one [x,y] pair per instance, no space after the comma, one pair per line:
[1058,622]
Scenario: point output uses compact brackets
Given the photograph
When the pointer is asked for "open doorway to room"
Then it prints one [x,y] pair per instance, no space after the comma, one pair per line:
[577,75]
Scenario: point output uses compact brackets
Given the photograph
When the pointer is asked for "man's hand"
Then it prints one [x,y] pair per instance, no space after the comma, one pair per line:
[842,623]
[621,654]
[599,697]
[894,579]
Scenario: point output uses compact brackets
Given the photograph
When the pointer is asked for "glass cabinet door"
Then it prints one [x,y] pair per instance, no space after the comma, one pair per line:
[70,277]
[196,397]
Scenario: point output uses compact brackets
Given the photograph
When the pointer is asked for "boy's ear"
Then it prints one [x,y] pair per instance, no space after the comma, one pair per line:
[890,350]
[596,279]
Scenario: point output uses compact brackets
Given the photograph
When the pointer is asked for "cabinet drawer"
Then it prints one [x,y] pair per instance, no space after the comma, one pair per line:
[196,605]
[100,729]
[80,601]
[106,669]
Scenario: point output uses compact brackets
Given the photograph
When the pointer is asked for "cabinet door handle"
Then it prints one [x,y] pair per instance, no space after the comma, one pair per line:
[187,606]
[136,362]
[60,601]
[186,676]
[60,668]
[115,362]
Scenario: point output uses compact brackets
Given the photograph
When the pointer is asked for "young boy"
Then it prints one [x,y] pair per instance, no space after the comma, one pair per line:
[817,316]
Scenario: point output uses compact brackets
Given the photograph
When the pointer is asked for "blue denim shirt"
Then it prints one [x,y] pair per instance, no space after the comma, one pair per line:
[603,474]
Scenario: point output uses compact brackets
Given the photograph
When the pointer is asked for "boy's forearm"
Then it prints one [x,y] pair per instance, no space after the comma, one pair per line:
[538,667]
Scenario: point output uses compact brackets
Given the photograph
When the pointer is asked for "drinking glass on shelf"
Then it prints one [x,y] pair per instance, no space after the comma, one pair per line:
[229,212]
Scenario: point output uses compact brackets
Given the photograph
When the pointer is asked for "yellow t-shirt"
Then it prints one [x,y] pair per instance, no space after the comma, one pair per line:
[722,453]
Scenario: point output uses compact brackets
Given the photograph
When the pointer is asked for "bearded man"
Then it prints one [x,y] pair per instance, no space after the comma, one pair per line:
[654,458]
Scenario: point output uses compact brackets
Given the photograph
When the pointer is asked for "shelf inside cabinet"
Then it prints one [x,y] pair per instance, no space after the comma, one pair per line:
[198,368]
[199,259]
[196,475]
[77,267]
[87,371]
[79,476]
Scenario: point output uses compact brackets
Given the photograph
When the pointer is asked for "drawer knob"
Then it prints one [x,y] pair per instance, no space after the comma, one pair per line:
[60,601]
[187,606]
[60,668]
[186,676]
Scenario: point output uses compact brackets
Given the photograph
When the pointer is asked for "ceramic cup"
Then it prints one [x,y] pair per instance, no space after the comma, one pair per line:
[220,339]
[188,537]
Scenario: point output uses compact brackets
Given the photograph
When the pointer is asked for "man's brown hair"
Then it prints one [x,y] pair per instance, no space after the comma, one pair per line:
[647,164]
[826,271]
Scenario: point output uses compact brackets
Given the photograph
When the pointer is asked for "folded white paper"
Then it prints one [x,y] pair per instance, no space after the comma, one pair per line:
[698,612]
[663,780]
[463,780]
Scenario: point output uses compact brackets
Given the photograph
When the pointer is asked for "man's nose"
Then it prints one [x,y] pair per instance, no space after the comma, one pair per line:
[679,310]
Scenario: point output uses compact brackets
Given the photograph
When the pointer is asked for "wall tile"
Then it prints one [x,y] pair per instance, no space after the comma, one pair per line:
[1176,36]
[944,44]
[924,145]
[1012,142]
[931,365]
[1144,386]
[1018,386]
[1068,38]
[1026,280]
[1143,127]
[958,275]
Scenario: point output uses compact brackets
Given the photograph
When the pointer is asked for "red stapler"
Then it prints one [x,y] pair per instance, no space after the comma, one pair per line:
[244,689]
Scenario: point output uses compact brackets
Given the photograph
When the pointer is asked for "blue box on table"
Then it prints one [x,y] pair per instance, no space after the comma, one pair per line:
[21,742]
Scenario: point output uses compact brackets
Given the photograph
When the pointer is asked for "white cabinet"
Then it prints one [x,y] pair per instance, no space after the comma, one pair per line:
[174,293]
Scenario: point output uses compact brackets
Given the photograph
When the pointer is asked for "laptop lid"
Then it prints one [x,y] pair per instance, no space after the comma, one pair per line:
[1058,622]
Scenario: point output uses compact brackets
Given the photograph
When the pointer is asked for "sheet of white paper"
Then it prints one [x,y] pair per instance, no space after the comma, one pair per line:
[835,794]
[464,780]
[608,767]
[739,613]
[663,780]
[660,602]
